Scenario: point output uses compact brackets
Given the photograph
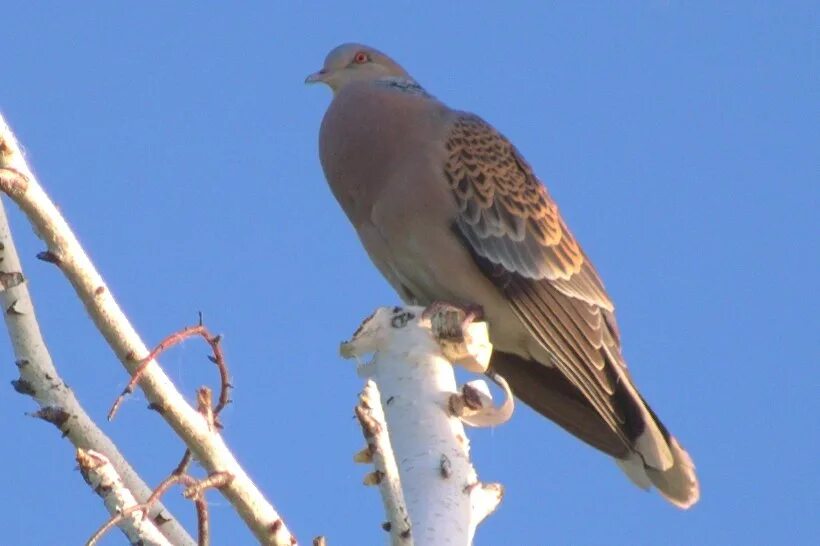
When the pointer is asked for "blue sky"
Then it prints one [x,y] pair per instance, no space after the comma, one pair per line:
[679,138]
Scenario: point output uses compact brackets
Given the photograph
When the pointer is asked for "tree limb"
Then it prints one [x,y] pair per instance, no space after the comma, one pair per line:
[58,405]
[444,500]
[120,502]
[19,183]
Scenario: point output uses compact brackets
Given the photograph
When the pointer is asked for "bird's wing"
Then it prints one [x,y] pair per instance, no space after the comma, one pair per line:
[520,241]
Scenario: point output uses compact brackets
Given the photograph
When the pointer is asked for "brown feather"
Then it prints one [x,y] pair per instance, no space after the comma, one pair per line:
[543,272]
[548,392]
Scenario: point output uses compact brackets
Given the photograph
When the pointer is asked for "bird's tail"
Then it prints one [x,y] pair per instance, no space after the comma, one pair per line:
[654,458]
[678,482]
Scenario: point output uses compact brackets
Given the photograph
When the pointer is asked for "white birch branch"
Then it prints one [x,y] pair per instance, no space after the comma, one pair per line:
[19,183]
[39,379]
[101,475]
[445,501]
[379,451]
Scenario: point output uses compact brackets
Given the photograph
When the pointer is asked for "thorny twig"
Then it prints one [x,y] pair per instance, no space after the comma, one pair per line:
[177,475]
[217,358]
[195,489]
[144,507]
[100,474]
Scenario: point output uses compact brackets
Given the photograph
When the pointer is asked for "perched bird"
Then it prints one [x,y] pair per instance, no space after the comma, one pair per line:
[449,211]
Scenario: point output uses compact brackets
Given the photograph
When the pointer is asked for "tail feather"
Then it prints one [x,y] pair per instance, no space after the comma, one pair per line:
[635,470]
[653,458]
[675,479]
[679,484]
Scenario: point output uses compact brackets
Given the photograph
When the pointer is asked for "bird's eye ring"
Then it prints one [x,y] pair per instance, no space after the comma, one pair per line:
[361,58]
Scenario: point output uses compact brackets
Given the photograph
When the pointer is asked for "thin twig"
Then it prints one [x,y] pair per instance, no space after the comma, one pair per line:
[194,489]
[202,524]
[215,480]
[143,507]
[182,467]
[177,475]
[101,475]
[173,339]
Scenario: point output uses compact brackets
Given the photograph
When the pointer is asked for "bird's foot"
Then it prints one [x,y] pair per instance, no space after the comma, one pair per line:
[450,321]
[462,337]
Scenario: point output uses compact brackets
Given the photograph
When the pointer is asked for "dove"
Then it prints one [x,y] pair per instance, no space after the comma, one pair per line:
[449,210]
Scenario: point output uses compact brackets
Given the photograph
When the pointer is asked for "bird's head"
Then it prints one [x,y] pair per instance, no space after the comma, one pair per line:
[353,63]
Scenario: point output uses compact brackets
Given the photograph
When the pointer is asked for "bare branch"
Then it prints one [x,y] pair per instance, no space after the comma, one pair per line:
[416,386]
[17,181]
[380,453]
[40,380]
[128,514]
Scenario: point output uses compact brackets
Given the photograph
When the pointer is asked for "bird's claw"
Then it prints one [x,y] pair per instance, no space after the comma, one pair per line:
[450,321]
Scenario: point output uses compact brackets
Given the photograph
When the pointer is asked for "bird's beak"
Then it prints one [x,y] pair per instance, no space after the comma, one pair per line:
[317,77]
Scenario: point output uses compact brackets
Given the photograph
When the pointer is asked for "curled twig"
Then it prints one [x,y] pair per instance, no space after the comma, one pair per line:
[195,489]
[175,338]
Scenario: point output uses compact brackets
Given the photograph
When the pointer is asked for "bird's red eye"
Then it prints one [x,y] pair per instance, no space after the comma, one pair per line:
[361,58]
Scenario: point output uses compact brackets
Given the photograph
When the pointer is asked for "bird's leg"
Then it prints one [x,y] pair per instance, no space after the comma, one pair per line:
[449,321]
[463,341]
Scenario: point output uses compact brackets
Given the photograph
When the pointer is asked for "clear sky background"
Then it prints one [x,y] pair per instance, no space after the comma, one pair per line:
[681,140]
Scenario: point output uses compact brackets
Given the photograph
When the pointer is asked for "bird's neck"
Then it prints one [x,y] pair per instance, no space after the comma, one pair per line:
[404,84]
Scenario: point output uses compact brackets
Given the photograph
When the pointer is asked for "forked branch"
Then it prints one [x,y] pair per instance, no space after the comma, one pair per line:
[206,444]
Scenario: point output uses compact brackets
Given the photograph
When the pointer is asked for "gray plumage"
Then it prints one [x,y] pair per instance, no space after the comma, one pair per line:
[448,210]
